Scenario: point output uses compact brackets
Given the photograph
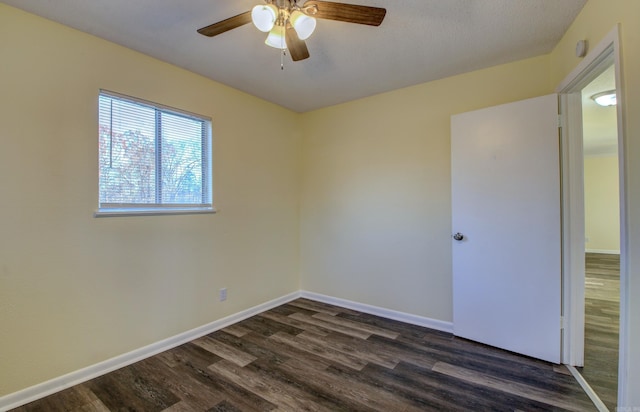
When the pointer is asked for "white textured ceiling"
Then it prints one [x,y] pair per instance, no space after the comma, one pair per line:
[419,41]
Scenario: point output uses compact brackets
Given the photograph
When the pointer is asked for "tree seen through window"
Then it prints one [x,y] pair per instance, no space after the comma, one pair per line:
[149,156]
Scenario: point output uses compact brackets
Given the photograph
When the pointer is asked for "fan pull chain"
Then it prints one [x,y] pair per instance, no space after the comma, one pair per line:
[284,52]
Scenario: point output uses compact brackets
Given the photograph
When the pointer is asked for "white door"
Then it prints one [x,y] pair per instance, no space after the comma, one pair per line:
[505,171]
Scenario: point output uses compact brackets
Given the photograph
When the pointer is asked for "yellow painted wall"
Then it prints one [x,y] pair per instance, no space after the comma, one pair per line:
[596,20]
[375,206]
[376,198]
[76,290]
[602,205]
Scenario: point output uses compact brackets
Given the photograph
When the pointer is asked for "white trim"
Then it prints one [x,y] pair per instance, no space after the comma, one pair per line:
[128,212]
[624,391]
[573,196]
[603,251]
[573,231]
[608,50]
[577,78]
[598,152]
[382,312]
[154,105]
[597,402]
[54,385]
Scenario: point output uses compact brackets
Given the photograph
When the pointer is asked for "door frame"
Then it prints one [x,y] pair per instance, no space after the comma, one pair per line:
[602,56]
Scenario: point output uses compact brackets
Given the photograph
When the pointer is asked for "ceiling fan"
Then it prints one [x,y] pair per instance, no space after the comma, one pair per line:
[290,24]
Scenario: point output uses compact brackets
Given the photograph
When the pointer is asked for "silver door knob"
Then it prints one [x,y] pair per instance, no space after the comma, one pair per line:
[458,236]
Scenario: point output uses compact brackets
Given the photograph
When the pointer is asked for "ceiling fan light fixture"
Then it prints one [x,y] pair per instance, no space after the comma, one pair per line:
[264,17]
[289,24]
[605,99]
[276,37]
[304,25]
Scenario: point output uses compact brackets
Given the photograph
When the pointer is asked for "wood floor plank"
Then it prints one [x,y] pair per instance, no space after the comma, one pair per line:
[227,352]
[330,325]
[467,396]
[276,392]
[267,327]
[413,391]
[448,350]
[131,388]
[189,354]
[237,330]
[95,406]
[244,399]
[248,345]
[561,369]
[182,406]
[76,398]
[318,307]
[224,406]
[602,315]
[353,346]
[372,330]
[408,352]
[432,391]
[511,387]
[286,320]
[371,397]
[319,350]
[191,364]
[194,395]
[408,331]
[313,356]
[304,382]
[287,309]
[312,360]
[527,371]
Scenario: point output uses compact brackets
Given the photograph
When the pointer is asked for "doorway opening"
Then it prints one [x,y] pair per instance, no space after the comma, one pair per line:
[602,239]
[580,164]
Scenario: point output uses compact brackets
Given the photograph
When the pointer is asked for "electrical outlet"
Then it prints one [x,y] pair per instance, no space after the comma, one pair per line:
[223,294]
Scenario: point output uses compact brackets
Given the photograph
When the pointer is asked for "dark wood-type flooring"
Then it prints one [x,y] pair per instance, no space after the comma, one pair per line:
[602,320]
[310,356]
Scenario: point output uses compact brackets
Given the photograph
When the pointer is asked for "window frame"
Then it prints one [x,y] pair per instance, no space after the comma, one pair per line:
[146,209]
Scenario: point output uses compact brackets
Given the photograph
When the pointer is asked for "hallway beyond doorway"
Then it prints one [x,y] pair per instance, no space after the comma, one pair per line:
[602,318]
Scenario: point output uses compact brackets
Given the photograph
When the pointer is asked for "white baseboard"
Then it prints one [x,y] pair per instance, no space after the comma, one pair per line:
[603,251]
[588,390]
[382,312]
[22,397]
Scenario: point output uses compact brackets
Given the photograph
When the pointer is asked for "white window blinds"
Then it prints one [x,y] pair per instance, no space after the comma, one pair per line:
[152,158]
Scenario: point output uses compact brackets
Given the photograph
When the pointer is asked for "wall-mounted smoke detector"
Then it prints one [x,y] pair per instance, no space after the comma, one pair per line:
[581,48]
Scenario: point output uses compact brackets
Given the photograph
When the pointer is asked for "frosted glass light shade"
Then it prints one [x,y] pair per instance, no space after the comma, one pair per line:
[276,38]
[264,16]
[303,24]
[606,98]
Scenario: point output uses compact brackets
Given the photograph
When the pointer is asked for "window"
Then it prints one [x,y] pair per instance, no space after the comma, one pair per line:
[152,159]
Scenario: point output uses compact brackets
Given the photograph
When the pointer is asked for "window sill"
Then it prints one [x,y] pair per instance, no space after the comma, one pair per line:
[127,212]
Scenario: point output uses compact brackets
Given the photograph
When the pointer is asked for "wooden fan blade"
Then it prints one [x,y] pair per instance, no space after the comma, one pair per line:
[226,25]
[297,48]
[350,13]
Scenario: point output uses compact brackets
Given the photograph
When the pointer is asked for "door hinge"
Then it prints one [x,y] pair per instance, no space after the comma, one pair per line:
[561,322]
[560,121]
